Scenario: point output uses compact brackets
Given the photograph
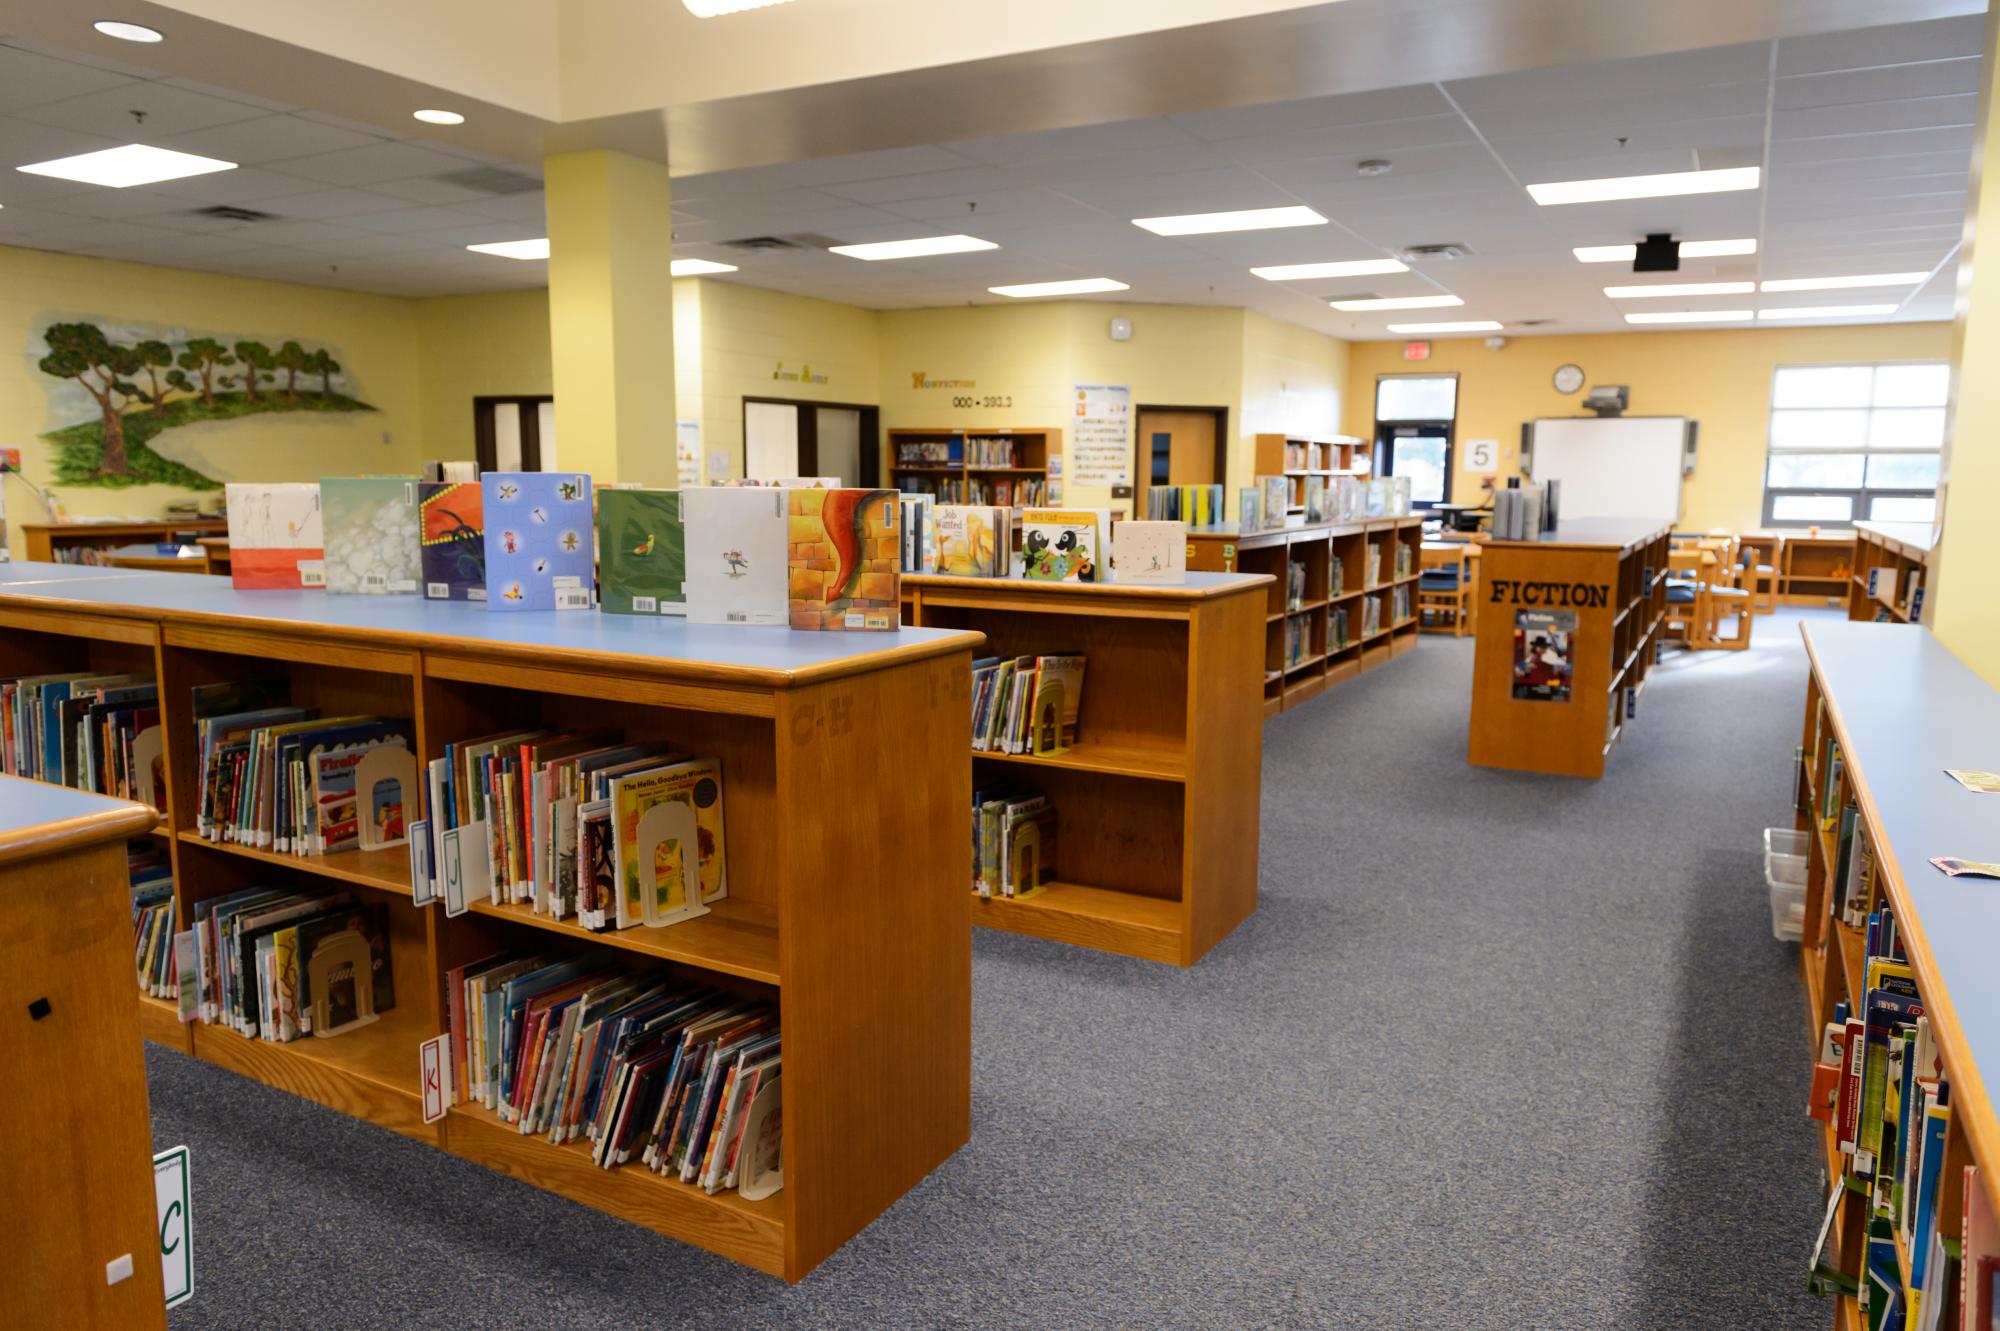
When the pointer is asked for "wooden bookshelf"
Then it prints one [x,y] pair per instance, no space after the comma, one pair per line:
[1894,555]
[874,985]
[1156,798]
[1032,449]
[84,542]
[1327,660]
[1862,679]
[1611,574]
[1814,568]
[1295,458]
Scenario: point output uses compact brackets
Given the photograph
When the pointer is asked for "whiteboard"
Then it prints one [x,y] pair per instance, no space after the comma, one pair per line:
[1612,467]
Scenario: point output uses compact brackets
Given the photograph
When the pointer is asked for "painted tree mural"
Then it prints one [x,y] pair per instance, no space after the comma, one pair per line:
[206,357]
[81,352]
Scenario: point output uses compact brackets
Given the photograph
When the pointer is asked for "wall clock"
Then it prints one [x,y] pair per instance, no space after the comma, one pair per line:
[1568,378]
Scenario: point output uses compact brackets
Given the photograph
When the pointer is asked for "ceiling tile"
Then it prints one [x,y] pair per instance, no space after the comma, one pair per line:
[371,165]
[28,79]
[1933,39]
[266,138]
[137,112]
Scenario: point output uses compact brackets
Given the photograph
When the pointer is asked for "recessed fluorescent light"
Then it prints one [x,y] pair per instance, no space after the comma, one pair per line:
[1690,317]
[1462,326]
[127,32]
[711,8]
[914,249]
[698,267]
[515,249]
[1652,289]
[1397,303]
[438,117]
[1249,219]
[133,164]
[1078,286]
[1690,249]
[1300,272]
[1827,312]
[1841,283]
[1647,187]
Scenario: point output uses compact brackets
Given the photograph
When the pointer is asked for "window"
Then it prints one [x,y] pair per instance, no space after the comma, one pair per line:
[1416,397]
[1414,414]
[1855,441]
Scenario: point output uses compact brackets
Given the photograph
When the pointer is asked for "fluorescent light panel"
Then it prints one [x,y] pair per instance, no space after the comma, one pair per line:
[1249,219]
[913,249]
[515,249]
[713,8]
[1462,326]
[1690,317]
[438,117]
[133,164]
[1690,249]
[1397,303]
[698,267]
[1827,312]
[127,32]
[1300,272]
[1652,289]
[1843,283]
[1647,187]
[1080,286]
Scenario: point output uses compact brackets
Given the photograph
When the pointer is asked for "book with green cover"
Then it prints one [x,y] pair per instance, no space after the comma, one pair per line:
[641,552]
[369,525]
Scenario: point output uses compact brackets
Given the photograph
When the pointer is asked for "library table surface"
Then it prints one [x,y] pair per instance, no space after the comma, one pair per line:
[1596,534]
[37,818]
[19,572]
[1906,710]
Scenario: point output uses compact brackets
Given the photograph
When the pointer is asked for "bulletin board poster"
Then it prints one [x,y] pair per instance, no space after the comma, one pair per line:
[1100,439]
[687,452]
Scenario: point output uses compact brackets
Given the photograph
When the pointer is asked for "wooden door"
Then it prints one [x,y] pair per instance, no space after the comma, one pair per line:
[1177,446]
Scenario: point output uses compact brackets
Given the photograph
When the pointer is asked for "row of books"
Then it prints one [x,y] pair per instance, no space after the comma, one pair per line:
[1882,585]
[1298,639]
[1006,492]
[917,537]
[573,824]
[641,1065]
[1026,704]
[1399,603]
[1013,842]
[286,779]
[929,453]
[275,964]
[84,729]
[152,881]
[991,451]
[1195,505]
[1295,583]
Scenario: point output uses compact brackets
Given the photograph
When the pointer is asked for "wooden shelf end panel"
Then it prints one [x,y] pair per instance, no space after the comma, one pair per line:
[1110,921]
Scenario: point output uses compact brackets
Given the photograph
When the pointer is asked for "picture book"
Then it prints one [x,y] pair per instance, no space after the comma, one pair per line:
[1249,508]
[372,545]
[669,868]
[1151,554]
[345,979]
[1277,499]
[736,556]
[1543,646]
[843,557]
[538,540]
[453,535]
[972,542]
[275,539]
[1065,545]
[641,552]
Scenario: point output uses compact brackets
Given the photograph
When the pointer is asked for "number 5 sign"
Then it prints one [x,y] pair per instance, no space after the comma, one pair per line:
[171,1195]
[1482,455]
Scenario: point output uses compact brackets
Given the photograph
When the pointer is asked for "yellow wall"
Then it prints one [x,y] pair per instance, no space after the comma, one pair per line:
[1721,379]
[1294,382]
[479,346]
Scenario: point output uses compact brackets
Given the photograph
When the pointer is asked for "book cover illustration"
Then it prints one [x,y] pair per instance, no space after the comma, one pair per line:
[642,552]
[843,556]
[275,536]
[1065,545]
[1150,554]
[696,785]
[372,546]
[736,560]
[345,979]
[453,532]
[538,540]
[1543,652]
[972,542]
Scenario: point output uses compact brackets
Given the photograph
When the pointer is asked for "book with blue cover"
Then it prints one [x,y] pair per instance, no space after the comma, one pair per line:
[538,540]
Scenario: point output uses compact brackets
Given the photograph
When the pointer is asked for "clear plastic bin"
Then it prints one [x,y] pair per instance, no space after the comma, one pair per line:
[1785,878]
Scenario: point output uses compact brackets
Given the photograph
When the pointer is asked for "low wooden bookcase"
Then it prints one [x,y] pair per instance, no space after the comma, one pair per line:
[839,844]
[1157,801]
[1814,567]
[64,542]
[1902,552]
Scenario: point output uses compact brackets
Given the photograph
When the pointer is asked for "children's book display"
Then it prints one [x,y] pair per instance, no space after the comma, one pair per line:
[1194,505]
[89,731]
[1277,492]
[277,965]
[919,539]
[1014,843]
[1026,704]
[372,543]
[737,562]
[843,559]
[1150,554]
[973,542]
[1066,544]
[452,536]
[642,552]
[538,540]
[275,536]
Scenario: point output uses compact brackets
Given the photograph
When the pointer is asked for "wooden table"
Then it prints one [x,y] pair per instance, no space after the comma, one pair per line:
[214,553]
[151,559]
[77,1185]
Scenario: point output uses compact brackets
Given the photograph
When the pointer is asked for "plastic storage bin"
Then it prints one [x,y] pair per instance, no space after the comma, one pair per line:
[1785,878]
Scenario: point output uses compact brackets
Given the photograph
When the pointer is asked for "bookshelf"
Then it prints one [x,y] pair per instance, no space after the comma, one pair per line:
[78,1188]
[1814,568]
[1296,458]
[1154,797]
[1862,678]
[1892,554]
[1326,661]
[1029,454]
[84,542]
[1610,574]
[874,986]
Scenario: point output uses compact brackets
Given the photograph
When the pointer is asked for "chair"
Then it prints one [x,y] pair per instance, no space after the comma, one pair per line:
[1749,572]
[1444,589]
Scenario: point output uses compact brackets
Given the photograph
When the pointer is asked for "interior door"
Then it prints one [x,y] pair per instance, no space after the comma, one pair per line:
[1176,448]
[839,445]
[770,440]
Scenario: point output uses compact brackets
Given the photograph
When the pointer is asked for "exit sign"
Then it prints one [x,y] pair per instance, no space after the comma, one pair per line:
[1416,351]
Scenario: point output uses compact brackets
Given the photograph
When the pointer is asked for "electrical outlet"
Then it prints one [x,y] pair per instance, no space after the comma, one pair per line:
[118,1269]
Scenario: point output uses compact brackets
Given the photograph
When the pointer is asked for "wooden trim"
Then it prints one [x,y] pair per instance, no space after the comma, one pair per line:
[66,835]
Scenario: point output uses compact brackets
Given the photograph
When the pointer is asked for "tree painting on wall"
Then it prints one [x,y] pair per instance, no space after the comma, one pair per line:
[144,386]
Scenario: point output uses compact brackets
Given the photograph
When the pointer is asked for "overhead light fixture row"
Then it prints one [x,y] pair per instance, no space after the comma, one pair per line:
[434,117]
[1651,290]
[133,164]
[1077,286]
[128,32]
[1844,283]
[515,249]
[1690,317]
[1248,219]
[1301,272]
[1665,185]
[698,267]
[1827,312]
[1397,303]
[1690,249]
[717,8]
[1461,326]
[922,247]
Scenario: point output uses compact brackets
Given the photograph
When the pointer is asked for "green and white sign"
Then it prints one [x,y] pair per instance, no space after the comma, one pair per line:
[171,1194]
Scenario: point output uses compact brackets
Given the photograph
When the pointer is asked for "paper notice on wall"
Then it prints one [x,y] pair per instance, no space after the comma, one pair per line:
[1100,447]
[687,451]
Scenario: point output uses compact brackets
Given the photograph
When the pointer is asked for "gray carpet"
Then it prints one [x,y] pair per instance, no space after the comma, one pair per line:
[1498,1050]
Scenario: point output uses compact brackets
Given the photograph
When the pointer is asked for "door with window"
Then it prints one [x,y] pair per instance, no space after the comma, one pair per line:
[1855,442]
[1414,419]
[1180,446]
[789,438]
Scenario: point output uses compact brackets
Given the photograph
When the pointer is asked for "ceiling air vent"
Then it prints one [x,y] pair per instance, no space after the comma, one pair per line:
[1418,253]
[1533,323]
[491,180]
[226,213]
[803,241]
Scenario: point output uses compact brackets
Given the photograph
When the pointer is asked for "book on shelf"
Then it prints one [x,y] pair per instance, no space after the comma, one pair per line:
[1350,502]
[1337,577]
[372,542]
[916,533]
[1066,544]
[539,536]
[150,877]
[929,453]
[1403,552]
[1194,505]
[1295,583]
[457,471]
[1317,498]
[452,532]
[96,732]
[1371,565]
[1336,629]
[844,559]
[1399,604]
[1014,843]
[283,778]
[991,451]
[641,552]
[1277,499]
[737,560]
[1249,508]
[1149,554]
[1298,639]
[1371,616]
[1026,704]
[276,965]
[972,541]
[276,538]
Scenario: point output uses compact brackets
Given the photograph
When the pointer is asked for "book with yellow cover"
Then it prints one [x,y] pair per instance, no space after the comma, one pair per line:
[667,834]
